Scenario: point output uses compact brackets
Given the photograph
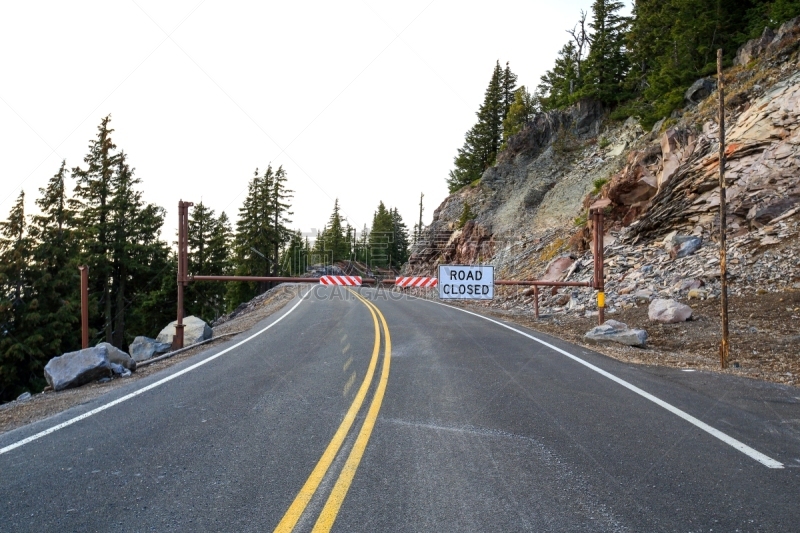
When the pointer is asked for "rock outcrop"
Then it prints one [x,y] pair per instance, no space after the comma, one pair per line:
[659,190]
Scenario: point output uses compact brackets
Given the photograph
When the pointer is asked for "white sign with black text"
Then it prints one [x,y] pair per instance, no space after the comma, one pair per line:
[462,282]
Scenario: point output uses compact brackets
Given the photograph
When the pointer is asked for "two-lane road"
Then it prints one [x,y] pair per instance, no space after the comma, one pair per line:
[365,412]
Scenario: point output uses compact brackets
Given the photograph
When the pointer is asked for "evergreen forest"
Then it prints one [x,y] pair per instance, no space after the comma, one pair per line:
[638,65]
[93,214]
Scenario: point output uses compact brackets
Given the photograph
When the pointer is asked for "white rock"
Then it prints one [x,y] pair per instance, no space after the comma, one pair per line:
[194,330]
[668,311]
[617,332]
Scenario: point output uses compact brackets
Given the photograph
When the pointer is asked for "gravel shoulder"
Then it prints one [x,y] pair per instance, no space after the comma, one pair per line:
[43,405]
[764,335]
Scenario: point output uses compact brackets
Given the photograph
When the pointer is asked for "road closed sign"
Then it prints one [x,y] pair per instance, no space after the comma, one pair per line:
[462,282]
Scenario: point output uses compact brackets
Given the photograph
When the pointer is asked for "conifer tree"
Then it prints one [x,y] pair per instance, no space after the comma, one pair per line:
[381,236]
[92,200]
[520,112]
[137,254]
[559,86]
[333,241]
[295,257]
[279,200]
[399,245]
[607,63]
[120,237]
[55,278]
[508,88]
[20,334]
[482,141]
[261,232]
[209,238]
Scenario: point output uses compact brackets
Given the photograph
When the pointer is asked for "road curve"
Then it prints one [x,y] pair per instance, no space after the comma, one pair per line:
[381,413]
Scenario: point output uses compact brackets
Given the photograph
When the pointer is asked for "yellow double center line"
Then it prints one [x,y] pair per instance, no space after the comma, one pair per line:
[337,495]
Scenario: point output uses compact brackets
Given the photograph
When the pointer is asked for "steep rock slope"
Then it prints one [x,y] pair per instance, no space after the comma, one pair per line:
[531,206]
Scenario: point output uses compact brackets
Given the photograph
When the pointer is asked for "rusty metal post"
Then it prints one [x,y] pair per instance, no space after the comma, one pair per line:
[84,306]
[599,273]
[724,346]
[183,268]
[536,301]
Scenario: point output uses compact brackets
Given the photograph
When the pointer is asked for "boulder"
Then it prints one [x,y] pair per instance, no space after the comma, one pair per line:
[74,369]
[683,245]
[117,356]
[668,311]
[617,332]
[194,331]
[700,90]
[558,267]
[754,47]
[143,348]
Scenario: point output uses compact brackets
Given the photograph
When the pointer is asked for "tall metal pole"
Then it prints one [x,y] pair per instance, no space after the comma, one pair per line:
[724,346]
[599,257]
[183,267]
[84,306]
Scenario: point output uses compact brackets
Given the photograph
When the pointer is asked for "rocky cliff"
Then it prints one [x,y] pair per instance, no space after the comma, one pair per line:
[658,188]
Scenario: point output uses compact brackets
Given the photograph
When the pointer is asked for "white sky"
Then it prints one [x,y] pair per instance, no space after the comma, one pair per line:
[362,100]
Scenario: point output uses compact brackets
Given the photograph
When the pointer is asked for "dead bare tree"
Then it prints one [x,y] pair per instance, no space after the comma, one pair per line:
[580,38]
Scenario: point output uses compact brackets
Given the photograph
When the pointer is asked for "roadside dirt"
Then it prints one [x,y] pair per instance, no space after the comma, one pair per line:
[40,406]
[764,336]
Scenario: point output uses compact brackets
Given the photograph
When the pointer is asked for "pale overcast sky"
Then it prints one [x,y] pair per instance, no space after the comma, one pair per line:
[362,101]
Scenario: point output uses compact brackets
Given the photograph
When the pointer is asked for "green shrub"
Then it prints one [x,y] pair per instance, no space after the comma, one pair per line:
[598,184]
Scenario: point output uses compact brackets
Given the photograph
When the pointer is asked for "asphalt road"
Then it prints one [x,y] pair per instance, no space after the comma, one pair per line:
[407,415]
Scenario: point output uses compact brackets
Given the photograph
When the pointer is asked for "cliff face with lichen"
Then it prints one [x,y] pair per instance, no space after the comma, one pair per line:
[531,206]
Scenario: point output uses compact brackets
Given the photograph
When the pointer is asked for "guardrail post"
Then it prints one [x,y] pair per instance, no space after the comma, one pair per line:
[536,301]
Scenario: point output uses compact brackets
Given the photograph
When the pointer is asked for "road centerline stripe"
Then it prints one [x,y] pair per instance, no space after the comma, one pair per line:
[328,515]
[300,502]
[133,394]
[727,439]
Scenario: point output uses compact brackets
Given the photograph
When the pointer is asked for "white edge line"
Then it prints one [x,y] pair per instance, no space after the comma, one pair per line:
[727,439]
[127,397]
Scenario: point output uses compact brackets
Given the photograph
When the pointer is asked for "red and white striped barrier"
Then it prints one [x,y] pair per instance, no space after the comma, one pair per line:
[340,280]
[415,282]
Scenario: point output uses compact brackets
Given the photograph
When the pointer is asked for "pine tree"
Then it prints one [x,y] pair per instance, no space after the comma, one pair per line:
[508,88]
[55,278]
[120,237]
[20,332]
[295,257]
[559,87]
[261,233]
[399,246]
[381,237]
[137,254]
[482,141]
[332,241]
[250,245]
[279,200]
[209,238]
[520,112]
[607,63]
[92,200]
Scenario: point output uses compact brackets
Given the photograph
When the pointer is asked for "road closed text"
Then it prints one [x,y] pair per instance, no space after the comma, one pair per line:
[461,282]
